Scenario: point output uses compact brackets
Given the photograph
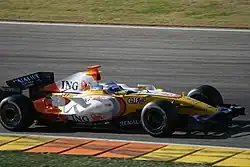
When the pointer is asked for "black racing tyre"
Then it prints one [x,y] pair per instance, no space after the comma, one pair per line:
[206,94]
[159,118]
[16,113]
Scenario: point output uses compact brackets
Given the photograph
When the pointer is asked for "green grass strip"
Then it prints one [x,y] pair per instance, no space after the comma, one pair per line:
[208,13]
[22,159]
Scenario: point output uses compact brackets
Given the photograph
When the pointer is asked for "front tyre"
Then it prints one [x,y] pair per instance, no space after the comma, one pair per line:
[158,118]
[16,113]
[206,94]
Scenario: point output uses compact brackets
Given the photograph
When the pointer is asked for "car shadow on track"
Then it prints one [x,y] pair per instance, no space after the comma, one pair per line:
[239,128]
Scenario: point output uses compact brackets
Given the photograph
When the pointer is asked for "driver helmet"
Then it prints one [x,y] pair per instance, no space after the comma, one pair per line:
[112,87]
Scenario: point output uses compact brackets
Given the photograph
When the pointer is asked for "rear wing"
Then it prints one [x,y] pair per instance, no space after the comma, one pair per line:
[34,82]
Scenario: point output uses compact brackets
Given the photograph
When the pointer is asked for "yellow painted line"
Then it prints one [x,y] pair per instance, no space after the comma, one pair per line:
[243,155]
[25,143]
[169,153]
[209,155]
[6,139]
[242,160]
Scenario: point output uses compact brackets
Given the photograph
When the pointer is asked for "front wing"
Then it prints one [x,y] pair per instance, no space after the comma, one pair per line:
[220,121]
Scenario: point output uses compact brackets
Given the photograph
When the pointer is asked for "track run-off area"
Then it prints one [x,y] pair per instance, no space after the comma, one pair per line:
[176,59]
[101,148]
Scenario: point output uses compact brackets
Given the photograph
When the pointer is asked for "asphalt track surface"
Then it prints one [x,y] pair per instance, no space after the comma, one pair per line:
[177,60]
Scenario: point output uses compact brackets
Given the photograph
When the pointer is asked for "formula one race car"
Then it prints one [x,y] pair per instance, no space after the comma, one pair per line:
[82,100]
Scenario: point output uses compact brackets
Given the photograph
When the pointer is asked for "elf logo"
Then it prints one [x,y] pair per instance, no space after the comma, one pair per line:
[136,100]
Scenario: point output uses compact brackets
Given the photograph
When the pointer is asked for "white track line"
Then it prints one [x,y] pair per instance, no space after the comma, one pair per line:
[117,140]
[125,26]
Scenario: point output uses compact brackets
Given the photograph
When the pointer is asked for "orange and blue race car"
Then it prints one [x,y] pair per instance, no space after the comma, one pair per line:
[82,100]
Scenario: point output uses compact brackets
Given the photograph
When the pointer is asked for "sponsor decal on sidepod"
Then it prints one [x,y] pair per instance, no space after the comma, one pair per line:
[136,100]
[130,122]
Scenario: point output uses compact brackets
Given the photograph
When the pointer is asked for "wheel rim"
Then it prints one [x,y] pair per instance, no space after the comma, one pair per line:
[155,120]
[10,116]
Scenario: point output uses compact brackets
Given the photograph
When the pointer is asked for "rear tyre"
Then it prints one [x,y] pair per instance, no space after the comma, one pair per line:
[159,118]
[16,113]
[207,94]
